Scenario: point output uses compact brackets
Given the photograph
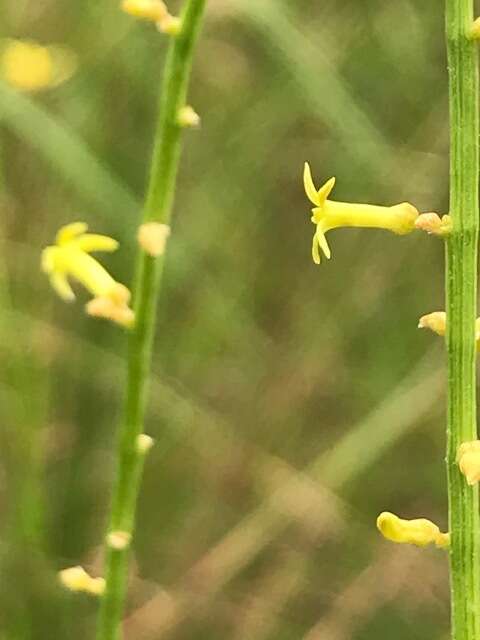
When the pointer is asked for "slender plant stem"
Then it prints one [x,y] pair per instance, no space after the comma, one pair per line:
[461,288]
[158,208]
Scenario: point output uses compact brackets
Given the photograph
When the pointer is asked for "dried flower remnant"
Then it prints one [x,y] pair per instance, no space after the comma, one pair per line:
[188,117]
[70,258]
[437,322]
[30,67]
[328,214]
[468,458]
[152,238]
[434,225]
[420,532]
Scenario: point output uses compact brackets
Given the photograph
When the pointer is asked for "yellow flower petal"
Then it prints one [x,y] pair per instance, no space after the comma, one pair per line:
[309,186]
[325,191]
[61,285]
[70,231]
[322,241]
[94,242]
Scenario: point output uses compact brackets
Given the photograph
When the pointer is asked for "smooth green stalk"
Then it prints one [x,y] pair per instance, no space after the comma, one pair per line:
[157,208]
[461,286]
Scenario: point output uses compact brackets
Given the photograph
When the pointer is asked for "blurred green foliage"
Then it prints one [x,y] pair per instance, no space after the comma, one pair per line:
[290,403]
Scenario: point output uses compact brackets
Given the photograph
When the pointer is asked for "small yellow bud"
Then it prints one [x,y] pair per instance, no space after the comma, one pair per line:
[77,579]
[435,321]
[144,443]
[152,237]
[170,25]
[328,214]
[433,224]
[70,258]
[119,540]
[188,117]
[419,532]
[468,458]
[151,10]
[475,29]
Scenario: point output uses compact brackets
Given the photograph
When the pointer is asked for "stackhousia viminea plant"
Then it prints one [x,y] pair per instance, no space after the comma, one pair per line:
[70,259]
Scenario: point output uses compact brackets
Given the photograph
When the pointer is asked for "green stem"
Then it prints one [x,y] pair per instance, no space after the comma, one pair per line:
[461,286]
[158,208]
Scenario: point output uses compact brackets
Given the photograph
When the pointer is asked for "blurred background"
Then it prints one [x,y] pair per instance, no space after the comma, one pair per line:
[290,403]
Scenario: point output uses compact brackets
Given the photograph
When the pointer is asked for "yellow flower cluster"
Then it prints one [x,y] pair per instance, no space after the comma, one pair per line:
[28,66]
[70,258]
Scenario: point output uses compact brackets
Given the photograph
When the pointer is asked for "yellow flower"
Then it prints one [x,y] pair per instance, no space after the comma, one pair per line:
[419,532]
[328,214]
[70,258]
[28,66]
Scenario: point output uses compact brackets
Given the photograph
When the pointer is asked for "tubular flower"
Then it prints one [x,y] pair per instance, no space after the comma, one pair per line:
[70,258]
[328,214]
[28,66]
[419,532]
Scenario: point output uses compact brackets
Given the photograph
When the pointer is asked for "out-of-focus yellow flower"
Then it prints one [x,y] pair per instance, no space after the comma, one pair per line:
[419,532]
[153,11]
[70,258]
[468,458]
[77,579]
[29,66]
[328,214]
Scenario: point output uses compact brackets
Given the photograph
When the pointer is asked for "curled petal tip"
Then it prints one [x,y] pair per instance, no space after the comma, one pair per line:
[310,189]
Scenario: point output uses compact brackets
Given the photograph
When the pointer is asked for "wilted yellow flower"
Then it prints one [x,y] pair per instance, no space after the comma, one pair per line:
[435,321]
[419,532]
[29,66]
[468,458]
[70,258]
[328,214]
[77,579]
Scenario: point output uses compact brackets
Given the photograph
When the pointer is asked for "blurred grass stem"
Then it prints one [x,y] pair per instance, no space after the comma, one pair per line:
[148,274]
[461,291]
